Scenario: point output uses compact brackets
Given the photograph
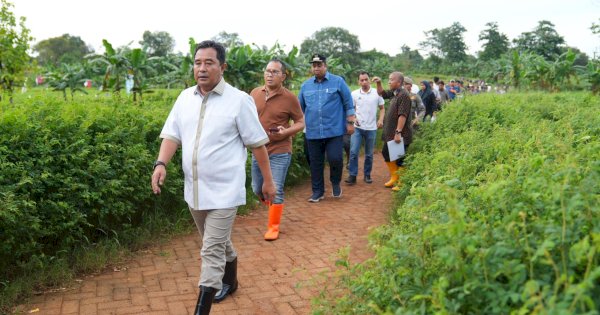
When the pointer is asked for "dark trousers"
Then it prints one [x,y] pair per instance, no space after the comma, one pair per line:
[317,150]
[305,144]
[347,138]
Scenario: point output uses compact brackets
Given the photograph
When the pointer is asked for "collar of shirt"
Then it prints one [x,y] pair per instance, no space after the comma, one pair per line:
[326,77]
[219,88]
[367,92]
[272,94]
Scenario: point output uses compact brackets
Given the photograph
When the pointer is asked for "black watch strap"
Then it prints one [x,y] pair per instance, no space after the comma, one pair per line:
[157,163]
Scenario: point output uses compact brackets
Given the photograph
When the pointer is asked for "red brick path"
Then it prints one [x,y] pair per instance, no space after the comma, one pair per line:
[279,277]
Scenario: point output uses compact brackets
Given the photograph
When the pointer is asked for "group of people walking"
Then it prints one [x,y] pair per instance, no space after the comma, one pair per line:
[214,123]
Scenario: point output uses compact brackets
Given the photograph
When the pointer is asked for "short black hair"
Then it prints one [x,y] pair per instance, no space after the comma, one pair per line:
[436,79]
[283,66]
[364,72]
[214,45]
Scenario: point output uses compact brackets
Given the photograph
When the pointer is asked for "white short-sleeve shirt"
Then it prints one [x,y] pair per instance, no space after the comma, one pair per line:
[366,108]
[214,163]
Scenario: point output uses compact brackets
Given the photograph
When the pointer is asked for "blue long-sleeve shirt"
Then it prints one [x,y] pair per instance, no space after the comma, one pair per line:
[326,105]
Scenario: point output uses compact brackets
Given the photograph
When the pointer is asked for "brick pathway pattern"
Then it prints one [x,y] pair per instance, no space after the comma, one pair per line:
[279,277]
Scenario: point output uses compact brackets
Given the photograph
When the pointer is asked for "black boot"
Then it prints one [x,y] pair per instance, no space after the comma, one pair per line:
[230,282]
[351,180]
[205,300]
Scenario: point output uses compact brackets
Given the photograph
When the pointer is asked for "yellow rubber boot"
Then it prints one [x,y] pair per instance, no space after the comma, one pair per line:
[393,175]
[398,184]
[275,211]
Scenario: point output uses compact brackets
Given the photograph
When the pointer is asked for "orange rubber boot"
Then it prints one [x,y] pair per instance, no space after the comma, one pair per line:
[275,211]
[393,175]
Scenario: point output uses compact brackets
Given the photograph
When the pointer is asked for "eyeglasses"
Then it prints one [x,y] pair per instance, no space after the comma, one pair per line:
[272,72]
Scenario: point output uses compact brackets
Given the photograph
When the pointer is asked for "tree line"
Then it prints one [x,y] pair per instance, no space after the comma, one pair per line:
[537,59]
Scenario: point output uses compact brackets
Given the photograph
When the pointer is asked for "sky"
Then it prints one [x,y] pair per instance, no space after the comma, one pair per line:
[384,25]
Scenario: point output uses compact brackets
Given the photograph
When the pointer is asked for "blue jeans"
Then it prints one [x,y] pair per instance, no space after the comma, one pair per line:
[355,143]
[279,167]
[317,150]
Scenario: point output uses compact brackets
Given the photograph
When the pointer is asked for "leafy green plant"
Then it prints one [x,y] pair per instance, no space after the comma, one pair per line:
[115,64]
[138,66]
[14,43]
[497,214]
[69,77]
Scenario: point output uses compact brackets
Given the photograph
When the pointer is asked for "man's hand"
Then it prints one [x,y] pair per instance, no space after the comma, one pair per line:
[380,123]
[268,192]
[350,129]
[376,80]
[158,178]
[278,135]
[398,138]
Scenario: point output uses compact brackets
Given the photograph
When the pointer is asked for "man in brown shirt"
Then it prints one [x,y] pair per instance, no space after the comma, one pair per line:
[396,124]
[276,106]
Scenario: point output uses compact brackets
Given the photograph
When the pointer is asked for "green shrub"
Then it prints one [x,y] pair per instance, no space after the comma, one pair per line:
[498,213]
[75,183]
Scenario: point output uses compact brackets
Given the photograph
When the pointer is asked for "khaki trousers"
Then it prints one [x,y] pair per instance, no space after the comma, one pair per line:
[215,227]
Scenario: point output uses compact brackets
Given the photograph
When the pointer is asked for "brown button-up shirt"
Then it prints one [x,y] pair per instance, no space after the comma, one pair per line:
[400,105]
[277,109]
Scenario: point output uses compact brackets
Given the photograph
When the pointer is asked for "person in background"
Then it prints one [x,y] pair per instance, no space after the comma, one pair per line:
[366,102]
[326,102]
[276,107]
[434,88]
[417,107]
[452,89]
[396,123]
[214,122]
[444,97]
[428,98]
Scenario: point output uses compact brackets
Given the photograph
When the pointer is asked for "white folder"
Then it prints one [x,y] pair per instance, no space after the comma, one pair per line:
[396,149]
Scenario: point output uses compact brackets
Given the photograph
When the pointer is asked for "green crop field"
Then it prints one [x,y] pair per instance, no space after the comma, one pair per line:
[499,213]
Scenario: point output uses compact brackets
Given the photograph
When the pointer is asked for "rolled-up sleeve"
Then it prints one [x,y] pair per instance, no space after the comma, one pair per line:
[346,98]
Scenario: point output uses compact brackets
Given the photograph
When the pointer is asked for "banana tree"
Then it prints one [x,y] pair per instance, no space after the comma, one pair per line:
[245,66]
[139,66]
[593,75]
[69,77]
[564,70]
[295,66]
[336,66]
[380,67]
[185,71]
[176,69]
[115,63]
[516,68]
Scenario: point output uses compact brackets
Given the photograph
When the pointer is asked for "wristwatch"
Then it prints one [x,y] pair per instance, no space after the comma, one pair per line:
[398,132]
[157,163]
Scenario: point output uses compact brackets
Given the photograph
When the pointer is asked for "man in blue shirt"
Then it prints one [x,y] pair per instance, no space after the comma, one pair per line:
[452,89]
[328,110]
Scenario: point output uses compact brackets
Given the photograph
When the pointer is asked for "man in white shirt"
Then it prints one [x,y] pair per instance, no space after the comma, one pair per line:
[214,123]
[366,101]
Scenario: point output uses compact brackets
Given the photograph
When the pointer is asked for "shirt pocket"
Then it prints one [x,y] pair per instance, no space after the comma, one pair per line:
[310,98]
[331,93]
